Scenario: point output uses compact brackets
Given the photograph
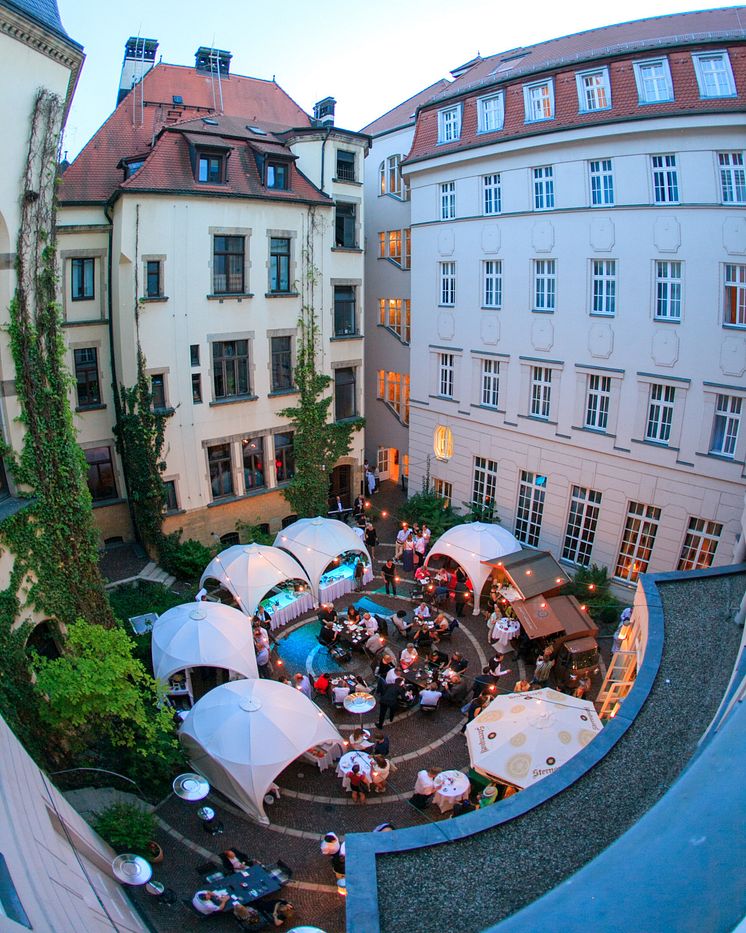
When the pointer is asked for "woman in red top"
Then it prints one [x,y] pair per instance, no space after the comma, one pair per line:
[358,784]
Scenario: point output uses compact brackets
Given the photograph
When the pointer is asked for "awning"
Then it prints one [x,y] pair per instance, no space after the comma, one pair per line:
[531,572]
[537,617]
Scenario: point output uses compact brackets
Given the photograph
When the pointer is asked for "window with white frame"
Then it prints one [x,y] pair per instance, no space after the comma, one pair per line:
[700,544]
[393,389]
[446,374]
[490,382]
[442,442]
[714,74]
[603,286]
[582,520]
[597,399]
[653,78]
[725,426]
[406,262]
[447,283]
[594,90]
[665,179]
[492,194]
[667,290]
[660,413]
[541,392]
[545,284]
[484,487]
[394,246]
[443,489]
[538,101]
[638,539]
[490,113]
[390,179]
[531,493]
[395,313]
[734,295]
[492,283]
[544,188]
[602,182]
[448,200]
[732,177]
[449,124]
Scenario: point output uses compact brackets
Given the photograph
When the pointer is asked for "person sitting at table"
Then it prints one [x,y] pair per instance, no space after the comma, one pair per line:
[339,692]
[371,623]
[380,773]
[422,640]
[374,643]
[430,696]
[358,784]
[360,739]
[437,660]
[263,617]
[277,911]
[327,635]
[321,684]
[392,675]
[208,902]
[400,623]
[456,691]
[248,917]
[422,575]
[353,615]
[380,744]
[458,663]
[424,788]
[441,625]
[235,860]
[408,656]
[327,613]
[422,611]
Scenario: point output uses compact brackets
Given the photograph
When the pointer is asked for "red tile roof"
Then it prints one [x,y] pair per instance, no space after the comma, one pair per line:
[133,128]
[404,113]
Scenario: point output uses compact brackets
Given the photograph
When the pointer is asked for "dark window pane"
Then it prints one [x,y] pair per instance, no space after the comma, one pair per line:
[277,175]
[211,169]
[196,387]
[228,265]
[253,462]
[86,377]
[221,477]
[284,457]
[101,482]
[345,226]
[158,391]
[82,284]
[344,311]
[282,367]
[230,368]
[171,502]
[4,487]
[344,393]
[346,166]
[194,354]
[153,279]
[279,264]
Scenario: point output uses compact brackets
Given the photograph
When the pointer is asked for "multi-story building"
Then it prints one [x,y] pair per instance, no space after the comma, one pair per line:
[193,222]
[578,214]
[388,262]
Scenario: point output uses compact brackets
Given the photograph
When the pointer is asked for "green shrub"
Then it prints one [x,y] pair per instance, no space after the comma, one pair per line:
[592,588]
[253,534]
[126,827]
[184,559]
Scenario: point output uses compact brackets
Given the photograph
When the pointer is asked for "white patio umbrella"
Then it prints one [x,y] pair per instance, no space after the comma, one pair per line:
[241,735]
[316,542]
[470,544]
[249,571]
[522,737]
[203,635]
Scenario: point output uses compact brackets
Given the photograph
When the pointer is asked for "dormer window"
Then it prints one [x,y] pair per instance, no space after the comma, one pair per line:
[278,175]
[211,168]
[131,167]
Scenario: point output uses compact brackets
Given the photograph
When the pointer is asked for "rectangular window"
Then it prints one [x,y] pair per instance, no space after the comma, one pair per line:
[714,74]
[228,261]
[158,391]
[448,200]
[153,284]
[196,388]
[538,101]
[279,264]
[345,317]
[447,283]
[449,124]
[582,520]
[101,481]
[598,396]
[382,244]
[172,503]
[541,392]
[230,363]
[732,177]
[653,80]
[211,168]
[531,493]
[726,425]
[660,413]
[345,396]
[490,383]
[700,544]
[254,472]
[545,284]
[194,354]
[665,179]
[282,363]
[594,90]
[407,257]
[82,279]
[284,457]
[490,113]
[381,392]
[667,291]
[602,182]
[544,188]
[443,489]
[345,165]
[492,277]
[344,226]
[603,286]
[394,238]
[86,377]
[734,295]
[395,313]
[446,373]
[390,175]
[492,194]
[638,539]
[278,176]
[221,470]
[484,487]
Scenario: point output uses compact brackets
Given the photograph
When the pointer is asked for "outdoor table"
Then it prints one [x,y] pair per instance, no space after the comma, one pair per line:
[340,580]
[503,633]
[246,886]
[323,755]
[345,763]
[451,787]
[359,702]
[285,606]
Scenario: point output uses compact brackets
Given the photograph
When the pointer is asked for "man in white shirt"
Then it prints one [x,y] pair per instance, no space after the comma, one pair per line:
[303,684]
[424,788]
[400,539]
[422,611]
[339,693]
[393,674]
[371,623]
[430,696]
[207,902]
[408,656]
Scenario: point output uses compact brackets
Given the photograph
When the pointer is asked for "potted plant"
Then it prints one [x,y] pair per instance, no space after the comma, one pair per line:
[129,828]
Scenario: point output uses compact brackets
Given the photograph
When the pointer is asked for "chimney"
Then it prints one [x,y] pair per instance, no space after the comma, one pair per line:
[212,61]
[139,58]
[323,111]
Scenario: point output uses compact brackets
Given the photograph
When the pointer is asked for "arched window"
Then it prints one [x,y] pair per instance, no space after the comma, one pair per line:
[443,443]
[390,180]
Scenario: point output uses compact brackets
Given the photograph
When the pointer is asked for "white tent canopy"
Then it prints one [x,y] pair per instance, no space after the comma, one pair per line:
[316,542]
[469,545]
[249,571]
[241,735]
[522,737]
[203,635]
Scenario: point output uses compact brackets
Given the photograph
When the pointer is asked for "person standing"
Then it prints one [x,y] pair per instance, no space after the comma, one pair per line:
[371,539]
[400,539]
[370,482]
[359,574]
[391,695]
[461,596]
[389,576]
[544,665]
[424,788]
[263,662]
[302,683]
[408,553]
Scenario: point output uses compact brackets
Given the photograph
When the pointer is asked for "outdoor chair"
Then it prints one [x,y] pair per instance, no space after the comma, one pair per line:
[210,872]
[429,709]
[193,910]
[281,871]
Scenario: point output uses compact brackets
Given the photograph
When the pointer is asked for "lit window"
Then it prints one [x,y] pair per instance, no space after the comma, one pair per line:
[492,291]
[446,374]
[714,74]
[582,520]
[660,413]
[490,113]
[447,283]
[603,286]
[407,257]
[602,182]
[653,80]
[395,313]
[443,489]
[734,295]
[700,544]
[598,396]
[531,493]
[490,395]
[726,425]
[638,539]
[538,101]
[668,291]
[448,200]
[545,284]
[544,188]
[443,443]
[394,245]
[541,392]
[284,457]
[594,90]
[492,203]
[665,179]
[732,177]
[449,124]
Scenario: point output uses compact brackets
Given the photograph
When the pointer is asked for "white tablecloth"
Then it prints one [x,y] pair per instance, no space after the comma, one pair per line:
[340,585]
[452,786]
[345,763]
[504,631]
[323,755]
[281,615]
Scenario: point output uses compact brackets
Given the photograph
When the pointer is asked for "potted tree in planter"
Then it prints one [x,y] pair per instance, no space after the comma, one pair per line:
[129,828]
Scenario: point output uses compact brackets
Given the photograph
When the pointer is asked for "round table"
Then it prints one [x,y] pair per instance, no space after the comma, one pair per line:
[360,703]
[345,763]
[503,632]
[450,788]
